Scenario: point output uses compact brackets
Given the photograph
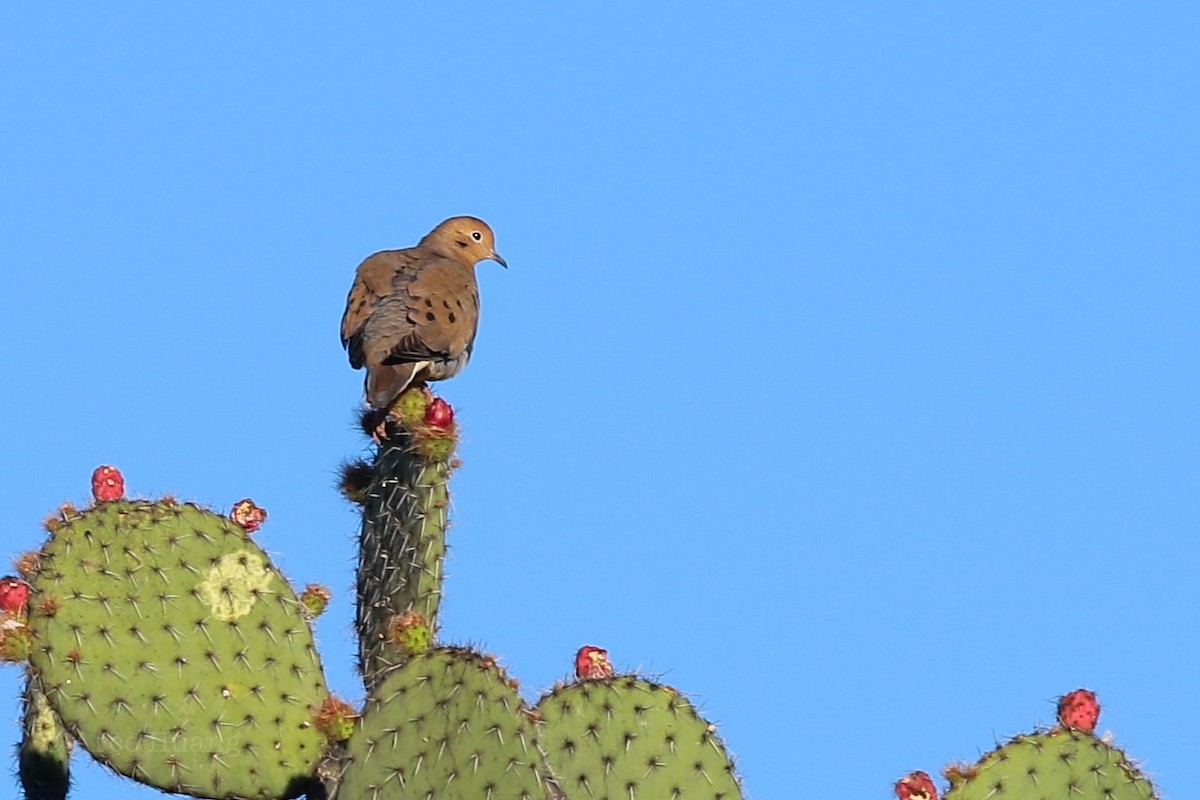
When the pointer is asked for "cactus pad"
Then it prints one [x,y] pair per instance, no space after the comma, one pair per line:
[175,651]
[626,738]
[446,724]
[1049,766]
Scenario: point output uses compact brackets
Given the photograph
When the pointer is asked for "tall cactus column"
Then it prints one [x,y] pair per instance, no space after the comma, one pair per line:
[402,545]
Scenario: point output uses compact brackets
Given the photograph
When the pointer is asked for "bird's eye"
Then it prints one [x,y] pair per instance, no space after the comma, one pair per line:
[477,236]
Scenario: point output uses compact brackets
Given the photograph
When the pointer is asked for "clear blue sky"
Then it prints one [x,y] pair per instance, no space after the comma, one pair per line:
[846,371]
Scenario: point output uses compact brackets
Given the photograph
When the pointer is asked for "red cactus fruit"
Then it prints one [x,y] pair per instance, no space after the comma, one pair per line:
[107,484]
[1079,709]
[439,414]
[335,718]
[14,594]
[592,664]
[916,786]
[247,514]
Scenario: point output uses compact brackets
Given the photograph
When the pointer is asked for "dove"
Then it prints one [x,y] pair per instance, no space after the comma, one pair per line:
[412,314]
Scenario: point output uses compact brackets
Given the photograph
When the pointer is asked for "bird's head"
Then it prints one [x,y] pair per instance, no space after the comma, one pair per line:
[467,238]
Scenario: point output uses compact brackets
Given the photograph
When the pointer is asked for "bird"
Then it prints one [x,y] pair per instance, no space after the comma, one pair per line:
[412,314]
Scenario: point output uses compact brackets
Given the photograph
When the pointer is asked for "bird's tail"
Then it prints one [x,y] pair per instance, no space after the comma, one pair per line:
[387,381]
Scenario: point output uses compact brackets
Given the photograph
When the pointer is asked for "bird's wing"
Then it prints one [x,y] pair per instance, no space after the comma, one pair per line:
[376,279]
[441,304]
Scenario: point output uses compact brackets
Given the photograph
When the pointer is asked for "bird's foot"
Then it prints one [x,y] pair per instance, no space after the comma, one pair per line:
[380,432]
[374,423]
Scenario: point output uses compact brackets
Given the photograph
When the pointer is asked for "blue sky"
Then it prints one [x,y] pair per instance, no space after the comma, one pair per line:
[845,373]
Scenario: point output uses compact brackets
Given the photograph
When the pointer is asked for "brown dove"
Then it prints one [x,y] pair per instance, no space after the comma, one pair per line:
[412,314]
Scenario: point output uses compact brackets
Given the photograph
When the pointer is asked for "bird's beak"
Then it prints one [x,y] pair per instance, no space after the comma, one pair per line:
[499,259]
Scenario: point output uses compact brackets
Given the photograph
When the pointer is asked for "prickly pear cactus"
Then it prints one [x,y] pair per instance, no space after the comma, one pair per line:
[163,640]
[175,652]
[1061,763]
[629,738]
[44,755]
[447,724]
[402,546]
[1067,761]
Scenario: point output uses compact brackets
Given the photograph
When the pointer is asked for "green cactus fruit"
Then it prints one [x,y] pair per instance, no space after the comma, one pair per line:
[16,640]
[410,632]
[315,599]
[446,724]
[335,718]
[629,738]
[402,547]
[44,756]
[1060,763]
[410,406]
[177,654]
[438,448]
